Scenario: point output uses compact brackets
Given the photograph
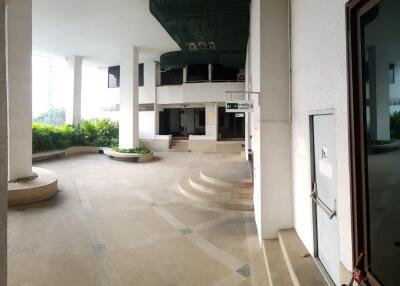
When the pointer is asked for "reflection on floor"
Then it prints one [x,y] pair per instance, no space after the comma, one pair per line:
[117,223]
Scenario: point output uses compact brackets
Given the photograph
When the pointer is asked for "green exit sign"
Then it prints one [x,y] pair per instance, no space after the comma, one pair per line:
[238,106]
[232,106]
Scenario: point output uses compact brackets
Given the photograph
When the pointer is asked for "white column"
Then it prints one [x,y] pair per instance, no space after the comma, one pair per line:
[273,201]
[156,107]
[19,41]
[185,69]
[150,89]
[212,121]
[3,150]
[74,109]
[129,99]
[247,97]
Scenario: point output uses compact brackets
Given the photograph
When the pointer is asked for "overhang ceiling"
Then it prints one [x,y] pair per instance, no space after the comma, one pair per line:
[207,31]
[97,29]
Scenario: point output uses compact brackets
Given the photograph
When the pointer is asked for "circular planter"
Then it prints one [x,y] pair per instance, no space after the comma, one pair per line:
[131,157]
[33,190]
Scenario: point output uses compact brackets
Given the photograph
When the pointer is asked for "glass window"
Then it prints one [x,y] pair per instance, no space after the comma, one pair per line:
[172,77]
[381,54]
[197,73]
[222,73]
[113,77]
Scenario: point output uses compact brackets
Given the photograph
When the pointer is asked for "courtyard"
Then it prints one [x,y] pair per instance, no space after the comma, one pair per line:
[118,223]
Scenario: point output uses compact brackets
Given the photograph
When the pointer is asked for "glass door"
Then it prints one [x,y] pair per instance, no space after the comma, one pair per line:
[374,70]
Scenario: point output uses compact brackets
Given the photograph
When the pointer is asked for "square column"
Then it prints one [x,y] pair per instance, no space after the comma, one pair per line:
[19,47]
[270,75]
[3,150]
[156,106]
[129,99]
[212,121]
[184,70]
[74,109]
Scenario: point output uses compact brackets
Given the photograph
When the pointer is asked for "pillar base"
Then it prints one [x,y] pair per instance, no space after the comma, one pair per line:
[33,190]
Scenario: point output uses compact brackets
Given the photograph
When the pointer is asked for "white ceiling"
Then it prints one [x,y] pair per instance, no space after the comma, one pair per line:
[97,29]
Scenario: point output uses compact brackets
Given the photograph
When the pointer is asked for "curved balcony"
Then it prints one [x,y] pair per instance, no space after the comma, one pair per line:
[198,92]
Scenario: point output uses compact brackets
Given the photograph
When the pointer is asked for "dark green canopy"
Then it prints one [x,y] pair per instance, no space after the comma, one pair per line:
[207,31]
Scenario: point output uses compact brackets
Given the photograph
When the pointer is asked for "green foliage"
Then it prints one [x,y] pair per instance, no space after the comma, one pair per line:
[142,149]
[122,150]
[55,117]
[395,125]
[107,133]
[101,133]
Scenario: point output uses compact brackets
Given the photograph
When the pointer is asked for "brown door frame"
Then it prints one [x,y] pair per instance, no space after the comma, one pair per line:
[354,10]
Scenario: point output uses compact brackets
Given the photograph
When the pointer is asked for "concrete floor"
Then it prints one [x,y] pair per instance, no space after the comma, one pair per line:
[119,223]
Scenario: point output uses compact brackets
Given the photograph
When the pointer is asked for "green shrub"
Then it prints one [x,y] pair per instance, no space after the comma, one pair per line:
[142,149]
[102,133]
[122,150]
[107,132]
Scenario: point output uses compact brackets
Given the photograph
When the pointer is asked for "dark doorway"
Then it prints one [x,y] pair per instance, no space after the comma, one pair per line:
[182,122]
[231,125]
[374,57]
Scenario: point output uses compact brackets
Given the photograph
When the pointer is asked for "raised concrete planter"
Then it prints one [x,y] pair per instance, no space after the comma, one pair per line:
[76,150]
[135,157]
[385,148]
[47,155]
[34,190]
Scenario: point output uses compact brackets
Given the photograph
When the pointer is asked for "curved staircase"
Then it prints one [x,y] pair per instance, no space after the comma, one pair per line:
[226,185]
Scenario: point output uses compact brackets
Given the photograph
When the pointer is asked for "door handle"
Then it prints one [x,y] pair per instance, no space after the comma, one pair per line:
[314,196]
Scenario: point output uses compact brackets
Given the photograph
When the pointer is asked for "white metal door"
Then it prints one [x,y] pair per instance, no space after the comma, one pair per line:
[324,195]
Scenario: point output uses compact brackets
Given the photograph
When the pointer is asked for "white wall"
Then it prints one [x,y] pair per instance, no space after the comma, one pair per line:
[146,125]
[147,93]
[319,82]
[198,92]
[3,151]
[97,98]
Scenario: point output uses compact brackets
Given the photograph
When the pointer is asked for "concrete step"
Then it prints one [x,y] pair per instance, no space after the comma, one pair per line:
[301,265]
[180,142]
[180,145]
[278,273]
[234,192]
[289,263]
[228,174]
[211,199]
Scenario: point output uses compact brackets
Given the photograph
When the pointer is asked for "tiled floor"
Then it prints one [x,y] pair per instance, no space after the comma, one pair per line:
[118,223]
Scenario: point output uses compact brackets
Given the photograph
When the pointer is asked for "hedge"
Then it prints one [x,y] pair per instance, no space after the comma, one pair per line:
[101,133]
